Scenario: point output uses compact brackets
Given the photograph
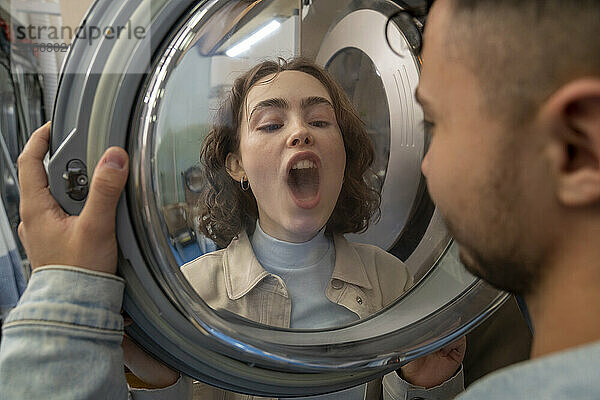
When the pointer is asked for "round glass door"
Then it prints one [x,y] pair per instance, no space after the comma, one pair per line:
[170,109]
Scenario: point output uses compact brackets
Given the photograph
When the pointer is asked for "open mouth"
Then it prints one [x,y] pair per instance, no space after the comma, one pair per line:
[303,180]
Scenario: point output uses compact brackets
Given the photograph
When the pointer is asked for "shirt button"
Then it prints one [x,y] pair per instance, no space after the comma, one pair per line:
[417,398]
[359,300]
[337,284]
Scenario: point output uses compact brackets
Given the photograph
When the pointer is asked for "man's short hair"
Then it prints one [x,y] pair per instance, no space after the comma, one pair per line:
[524,50]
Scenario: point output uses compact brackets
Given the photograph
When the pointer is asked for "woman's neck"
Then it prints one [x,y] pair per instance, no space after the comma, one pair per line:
[278,253]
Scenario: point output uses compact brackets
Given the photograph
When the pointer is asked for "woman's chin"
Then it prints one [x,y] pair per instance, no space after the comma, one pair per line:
[303,231]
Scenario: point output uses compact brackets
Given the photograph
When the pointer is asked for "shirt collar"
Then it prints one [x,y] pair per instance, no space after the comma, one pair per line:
[349,267]
[243,271]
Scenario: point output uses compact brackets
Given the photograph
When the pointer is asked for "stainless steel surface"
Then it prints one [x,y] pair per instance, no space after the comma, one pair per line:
[400,76]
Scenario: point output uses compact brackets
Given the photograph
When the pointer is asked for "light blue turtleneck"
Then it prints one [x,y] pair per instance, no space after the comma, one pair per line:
[306,269]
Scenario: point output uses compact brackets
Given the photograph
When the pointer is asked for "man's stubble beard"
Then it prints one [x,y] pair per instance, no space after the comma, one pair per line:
[493,242]
[503,274]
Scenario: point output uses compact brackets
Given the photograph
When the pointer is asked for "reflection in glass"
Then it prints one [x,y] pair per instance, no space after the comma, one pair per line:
[187,101]
[188,87]
[194,90]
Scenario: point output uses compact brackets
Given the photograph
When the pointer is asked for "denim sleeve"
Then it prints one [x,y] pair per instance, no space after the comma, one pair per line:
[396,388]
[63,339]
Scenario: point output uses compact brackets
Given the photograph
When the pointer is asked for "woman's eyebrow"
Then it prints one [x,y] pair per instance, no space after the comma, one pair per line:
[275,102]
[279,102]
[314,100]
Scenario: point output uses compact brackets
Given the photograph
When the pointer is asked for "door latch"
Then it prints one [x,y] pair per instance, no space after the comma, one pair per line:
[77,180]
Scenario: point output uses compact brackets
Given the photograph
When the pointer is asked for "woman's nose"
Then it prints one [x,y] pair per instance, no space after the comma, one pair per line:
[300,138]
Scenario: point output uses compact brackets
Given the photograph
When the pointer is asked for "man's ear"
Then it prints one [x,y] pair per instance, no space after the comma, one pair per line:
[572,114]
[234,166]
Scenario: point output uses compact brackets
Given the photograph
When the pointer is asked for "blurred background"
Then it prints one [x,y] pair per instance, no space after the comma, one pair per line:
[30,60]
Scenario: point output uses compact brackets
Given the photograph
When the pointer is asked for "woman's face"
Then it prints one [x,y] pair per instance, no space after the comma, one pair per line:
[292,152]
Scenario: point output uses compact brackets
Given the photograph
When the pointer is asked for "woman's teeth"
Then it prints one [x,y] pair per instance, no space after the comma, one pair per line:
[304,164]
[303,180]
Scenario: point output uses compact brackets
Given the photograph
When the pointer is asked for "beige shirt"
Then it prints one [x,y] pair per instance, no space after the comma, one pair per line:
[365,279]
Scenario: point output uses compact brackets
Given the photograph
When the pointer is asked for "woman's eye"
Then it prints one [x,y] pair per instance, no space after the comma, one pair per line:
[320,124]
[269,127]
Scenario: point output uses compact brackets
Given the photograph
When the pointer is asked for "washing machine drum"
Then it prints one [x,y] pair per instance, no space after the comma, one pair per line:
[149,75]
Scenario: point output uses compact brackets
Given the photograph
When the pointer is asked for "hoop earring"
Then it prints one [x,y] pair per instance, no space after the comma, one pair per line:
[244,183]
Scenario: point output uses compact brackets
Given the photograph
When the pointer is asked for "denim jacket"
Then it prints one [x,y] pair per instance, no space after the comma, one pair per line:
[63,341]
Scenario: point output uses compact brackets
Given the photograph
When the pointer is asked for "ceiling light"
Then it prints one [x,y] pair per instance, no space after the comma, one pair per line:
[253,39]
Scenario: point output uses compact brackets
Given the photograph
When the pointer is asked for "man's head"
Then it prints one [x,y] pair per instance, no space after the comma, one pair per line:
[513,90]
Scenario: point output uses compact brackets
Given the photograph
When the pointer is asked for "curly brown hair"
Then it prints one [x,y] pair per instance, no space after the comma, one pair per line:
[224,209]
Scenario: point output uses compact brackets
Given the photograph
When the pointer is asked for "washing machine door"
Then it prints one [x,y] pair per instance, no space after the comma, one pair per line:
[155,94]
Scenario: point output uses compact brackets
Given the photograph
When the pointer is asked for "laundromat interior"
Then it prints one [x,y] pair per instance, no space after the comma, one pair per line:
[150,76]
